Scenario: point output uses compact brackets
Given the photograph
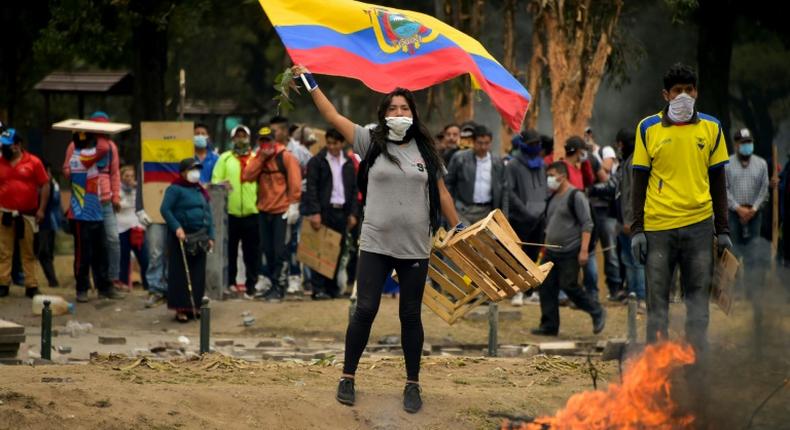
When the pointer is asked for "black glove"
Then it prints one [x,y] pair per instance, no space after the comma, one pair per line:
[723,242]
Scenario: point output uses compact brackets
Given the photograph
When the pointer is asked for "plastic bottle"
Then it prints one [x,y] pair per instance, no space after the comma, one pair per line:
[58,304]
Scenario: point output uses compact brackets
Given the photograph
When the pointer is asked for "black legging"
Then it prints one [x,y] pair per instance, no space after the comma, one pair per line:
[373,270]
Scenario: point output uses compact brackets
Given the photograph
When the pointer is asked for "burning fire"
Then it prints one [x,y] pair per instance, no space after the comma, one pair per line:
[642,401]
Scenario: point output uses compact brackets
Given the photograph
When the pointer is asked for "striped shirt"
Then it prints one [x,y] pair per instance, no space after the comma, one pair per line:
[746,185]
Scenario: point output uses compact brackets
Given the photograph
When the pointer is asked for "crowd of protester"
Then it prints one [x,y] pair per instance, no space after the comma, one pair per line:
[576,206]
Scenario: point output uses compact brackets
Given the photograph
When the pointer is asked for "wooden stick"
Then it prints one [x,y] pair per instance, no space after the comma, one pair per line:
[546,245]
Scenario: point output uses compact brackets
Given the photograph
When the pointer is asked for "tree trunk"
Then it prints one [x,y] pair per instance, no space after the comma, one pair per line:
[576,54]
[535,71]
[509,62]
[467,16]
[150,65]
[149,47]
[716,21]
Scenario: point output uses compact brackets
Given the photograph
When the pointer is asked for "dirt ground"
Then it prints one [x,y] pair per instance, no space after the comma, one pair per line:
[459,392]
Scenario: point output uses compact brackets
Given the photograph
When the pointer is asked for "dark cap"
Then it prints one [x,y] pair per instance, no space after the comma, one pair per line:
[743,136]
[574,143]
[468,130]
[10,137]
[530,136]
[189,164]
[266,133]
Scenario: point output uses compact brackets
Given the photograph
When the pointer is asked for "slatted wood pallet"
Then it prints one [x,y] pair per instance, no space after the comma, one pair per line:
[11,335]
[483,262]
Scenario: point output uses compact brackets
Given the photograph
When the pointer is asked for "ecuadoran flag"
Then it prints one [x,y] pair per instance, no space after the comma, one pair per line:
[387,48]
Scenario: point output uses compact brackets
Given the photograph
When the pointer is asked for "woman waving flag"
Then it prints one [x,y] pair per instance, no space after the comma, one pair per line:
[387,48]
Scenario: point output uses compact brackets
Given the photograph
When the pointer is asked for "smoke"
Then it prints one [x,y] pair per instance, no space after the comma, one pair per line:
[749,353]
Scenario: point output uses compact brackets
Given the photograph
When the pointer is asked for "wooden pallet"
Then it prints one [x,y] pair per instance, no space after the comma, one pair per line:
[11,335]
[483,262]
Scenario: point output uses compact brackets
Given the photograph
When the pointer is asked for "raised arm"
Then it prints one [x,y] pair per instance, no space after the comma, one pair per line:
[327,109]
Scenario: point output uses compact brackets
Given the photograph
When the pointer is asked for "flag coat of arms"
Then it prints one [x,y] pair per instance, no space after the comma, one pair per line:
[387,48]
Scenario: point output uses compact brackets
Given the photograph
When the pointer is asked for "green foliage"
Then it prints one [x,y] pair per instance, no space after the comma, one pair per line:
[83,33]
[682,10]
[283,84]
[759,69]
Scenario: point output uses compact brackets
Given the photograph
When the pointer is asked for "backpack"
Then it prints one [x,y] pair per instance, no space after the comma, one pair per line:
[278,159]
[572,209]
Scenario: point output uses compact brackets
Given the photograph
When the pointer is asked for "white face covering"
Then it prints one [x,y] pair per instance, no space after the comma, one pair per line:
[681,108]
[398,126]
[552,183]
[193,176]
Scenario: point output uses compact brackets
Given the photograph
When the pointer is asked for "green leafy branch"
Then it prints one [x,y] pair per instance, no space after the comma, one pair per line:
[283,84]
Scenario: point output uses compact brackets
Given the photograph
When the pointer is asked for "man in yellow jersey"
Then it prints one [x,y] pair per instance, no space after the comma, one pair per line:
[679,201]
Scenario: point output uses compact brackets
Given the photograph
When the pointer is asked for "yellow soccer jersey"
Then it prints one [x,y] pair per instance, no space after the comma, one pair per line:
[678,158]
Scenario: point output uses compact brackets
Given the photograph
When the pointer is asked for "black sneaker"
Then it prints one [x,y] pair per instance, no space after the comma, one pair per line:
[321,296]
[111,293]
[31,292]
[3,290]
[599,322]
[411,398]
[345,391]
[542,331]
[82,296]
[273,295]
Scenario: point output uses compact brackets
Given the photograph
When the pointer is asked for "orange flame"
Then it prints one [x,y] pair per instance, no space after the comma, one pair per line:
[642,401]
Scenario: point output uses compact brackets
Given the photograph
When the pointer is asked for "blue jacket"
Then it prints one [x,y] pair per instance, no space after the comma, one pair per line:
[185,207]
[53,217]
[208,166]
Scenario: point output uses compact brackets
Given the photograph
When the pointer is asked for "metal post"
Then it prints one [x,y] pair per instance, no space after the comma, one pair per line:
[217,260]
[205,326]
[632,304]
[46,331]
[182,93]
[493,328]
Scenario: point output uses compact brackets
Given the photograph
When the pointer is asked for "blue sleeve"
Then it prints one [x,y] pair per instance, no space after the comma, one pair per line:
[168,204]
[208,168]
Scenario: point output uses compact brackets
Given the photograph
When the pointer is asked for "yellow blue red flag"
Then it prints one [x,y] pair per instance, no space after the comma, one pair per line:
[387,48]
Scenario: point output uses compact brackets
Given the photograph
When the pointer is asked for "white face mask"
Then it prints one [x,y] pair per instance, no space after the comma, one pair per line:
[584,156]
[681,108]
[398,126]
[552,183]
[193,176]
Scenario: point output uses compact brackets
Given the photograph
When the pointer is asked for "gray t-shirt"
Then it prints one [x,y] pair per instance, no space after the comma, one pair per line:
[562,227]
[396,221]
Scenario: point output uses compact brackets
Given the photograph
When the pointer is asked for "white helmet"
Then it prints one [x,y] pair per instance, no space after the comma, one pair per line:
[237,128]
